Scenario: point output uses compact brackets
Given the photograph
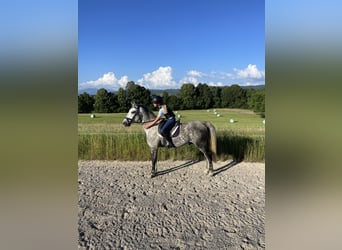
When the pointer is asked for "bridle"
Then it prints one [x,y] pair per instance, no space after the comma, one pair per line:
[137,113]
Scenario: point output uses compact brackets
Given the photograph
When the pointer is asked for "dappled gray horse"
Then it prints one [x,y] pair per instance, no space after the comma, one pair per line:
[200,133]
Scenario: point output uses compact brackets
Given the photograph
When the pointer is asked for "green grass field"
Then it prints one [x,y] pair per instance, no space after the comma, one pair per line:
[105,138]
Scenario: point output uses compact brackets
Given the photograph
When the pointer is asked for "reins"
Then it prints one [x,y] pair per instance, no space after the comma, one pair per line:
[143,122]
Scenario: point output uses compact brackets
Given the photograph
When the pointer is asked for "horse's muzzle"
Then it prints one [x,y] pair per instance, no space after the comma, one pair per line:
[126,123]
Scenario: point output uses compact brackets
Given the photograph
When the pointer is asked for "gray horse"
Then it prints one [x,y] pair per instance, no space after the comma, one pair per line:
[200,133]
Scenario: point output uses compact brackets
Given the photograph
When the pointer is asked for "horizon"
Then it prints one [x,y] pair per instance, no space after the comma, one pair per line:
[92,91]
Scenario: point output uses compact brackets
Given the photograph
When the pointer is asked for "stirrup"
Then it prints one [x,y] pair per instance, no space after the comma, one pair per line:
[170,145]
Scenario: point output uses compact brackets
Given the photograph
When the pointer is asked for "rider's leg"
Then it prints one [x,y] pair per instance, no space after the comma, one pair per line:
[166,131]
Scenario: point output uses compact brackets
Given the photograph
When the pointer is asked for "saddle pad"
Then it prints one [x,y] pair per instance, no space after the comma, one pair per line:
[175,130]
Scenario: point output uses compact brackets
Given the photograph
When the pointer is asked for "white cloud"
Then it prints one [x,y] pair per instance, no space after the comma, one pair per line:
[162,78]
[195,73]
[219,75]
[123,81]
[158,79]
[216,84]
[228,75]
[251,72]
[190,79]
[107,81]
[251,75]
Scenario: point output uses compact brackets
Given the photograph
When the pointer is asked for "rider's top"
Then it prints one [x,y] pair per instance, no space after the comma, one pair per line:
[166,111]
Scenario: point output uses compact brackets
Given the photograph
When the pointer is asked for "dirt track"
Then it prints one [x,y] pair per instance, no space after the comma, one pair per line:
[121,207]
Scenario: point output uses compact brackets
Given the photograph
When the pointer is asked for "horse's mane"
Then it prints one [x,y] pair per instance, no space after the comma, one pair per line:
[147,110]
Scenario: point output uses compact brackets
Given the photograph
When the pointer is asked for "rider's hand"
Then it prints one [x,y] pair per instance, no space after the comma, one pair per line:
[146,126]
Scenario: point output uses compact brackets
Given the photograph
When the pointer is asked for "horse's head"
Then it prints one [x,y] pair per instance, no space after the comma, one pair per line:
[133,115]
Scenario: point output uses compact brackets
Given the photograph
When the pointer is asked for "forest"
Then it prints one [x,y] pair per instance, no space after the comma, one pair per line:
[188,97]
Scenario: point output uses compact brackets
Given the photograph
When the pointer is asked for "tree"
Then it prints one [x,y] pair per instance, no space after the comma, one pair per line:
[234,97]
[216,94]
[226,97]
[102,105]
[187,96]
[256,102]
[85,103]
[112,102]
[123,102]
[138,94]
[173,102]
[165,97]
[204,97]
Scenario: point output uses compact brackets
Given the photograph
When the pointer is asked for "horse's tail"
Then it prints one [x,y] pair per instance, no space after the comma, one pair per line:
[212,140]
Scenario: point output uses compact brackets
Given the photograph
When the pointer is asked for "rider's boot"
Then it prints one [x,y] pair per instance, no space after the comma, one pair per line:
[169,142]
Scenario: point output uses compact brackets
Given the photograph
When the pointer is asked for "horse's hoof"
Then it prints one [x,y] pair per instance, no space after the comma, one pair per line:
[210,173]
[153,175]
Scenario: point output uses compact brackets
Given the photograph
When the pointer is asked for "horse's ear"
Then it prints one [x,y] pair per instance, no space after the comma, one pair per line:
[133,104]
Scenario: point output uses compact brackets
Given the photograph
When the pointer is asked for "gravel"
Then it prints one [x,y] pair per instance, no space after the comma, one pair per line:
[121,207]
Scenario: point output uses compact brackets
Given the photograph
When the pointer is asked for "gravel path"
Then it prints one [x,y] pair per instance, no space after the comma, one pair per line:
[121,207]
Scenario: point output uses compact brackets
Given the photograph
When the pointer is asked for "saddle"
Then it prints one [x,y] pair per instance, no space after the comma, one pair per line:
[174,132]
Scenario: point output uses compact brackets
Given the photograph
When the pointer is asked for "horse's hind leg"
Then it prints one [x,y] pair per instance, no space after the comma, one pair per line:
[209,161]
[154,154]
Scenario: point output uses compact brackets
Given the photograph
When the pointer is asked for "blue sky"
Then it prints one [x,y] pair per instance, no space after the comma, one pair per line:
[165,43]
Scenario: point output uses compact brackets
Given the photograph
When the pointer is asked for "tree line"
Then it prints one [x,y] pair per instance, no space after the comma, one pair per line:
[189,96]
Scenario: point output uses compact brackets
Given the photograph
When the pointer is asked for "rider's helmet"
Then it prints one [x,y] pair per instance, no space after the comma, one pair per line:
[157,100]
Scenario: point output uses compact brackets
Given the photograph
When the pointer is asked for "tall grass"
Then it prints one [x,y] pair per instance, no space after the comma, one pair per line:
[133,146]
[240,146]
[104,138]
[126,147]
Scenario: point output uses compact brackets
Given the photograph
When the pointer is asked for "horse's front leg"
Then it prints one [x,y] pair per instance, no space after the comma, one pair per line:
[154,154]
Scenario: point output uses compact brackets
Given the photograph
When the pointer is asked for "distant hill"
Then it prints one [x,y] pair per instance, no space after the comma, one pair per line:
[175,91]
[92,91]
[160,91]
[253,87]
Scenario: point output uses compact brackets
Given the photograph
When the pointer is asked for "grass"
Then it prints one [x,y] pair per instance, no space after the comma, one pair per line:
[104,137]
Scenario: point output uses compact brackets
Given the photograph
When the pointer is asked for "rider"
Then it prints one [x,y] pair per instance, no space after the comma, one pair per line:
[170,119]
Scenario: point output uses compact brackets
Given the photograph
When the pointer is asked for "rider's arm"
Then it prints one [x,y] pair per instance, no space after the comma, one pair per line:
[160,114]
[148,125]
